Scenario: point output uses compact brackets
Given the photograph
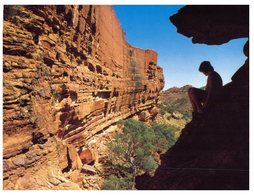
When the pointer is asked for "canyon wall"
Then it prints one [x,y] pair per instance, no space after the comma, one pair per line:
[68,73]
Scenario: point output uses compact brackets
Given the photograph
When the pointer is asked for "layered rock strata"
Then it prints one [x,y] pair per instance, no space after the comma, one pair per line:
[68,74]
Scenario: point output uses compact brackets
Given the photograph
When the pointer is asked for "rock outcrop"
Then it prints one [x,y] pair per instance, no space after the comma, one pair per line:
[212,152]
[68,74]
[212,24]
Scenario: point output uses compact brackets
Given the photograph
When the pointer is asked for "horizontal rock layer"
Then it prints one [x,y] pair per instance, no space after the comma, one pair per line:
[68,74]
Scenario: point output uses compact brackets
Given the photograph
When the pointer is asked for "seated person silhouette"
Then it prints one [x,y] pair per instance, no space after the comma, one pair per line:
[201,99]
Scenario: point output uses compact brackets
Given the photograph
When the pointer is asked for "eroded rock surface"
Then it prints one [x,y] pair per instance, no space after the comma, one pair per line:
[68,74]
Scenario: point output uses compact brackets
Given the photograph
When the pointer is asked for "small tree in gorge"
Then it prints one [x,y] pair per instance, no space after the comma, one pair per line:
[132,151]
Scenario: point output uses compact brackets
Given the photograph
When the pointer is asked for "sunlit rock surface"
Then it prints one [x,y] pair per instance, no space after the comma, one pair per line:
[68,74]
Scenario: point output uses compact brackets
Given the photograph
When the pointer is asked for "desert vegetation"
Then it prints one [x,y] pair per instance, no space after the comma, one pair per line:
[135,151]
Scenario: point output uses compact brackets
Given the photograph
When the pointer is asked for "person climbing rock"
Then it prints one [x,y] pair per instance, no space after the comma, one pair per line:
[201,99]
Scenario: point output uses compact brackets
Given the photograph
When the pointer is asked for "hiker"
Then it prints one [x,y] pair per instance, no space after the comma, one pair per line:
[200,99]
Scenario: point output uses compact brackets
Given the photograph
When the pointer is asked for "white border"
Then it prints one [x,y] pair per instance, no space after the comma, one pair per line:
[122,2]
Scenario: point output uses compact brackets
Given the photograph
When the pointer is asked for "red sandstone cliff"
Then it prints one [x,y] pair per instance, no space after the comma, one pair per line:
[68,74]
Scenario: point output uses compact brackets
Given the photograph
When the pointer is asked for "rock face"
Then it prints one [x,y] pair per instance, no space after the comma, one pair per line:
[212,151]
[212,24]
[68,74]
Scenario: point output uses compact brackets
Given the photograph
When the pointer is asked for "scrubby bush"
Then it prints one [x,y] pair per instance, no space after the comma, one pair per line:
[118,183]
[179,106]
[133,151]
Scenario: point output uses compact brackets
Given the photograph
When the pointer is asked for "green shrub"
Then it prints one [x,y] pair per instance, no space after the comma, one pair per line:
[165,134]
[118,183]
[150,164]
[132,151]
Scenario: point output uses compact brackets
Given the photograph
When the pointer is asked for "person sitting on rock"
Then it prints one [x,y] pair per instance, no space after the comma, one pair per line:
[201,99]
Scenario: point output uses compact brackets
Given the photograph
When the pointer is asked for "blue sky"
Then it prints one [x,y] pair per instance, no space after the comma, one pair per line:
[148,27]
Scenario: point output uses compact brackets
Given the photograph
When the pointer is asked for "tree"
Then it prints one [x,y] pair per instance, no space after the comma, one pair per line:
[132,152]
